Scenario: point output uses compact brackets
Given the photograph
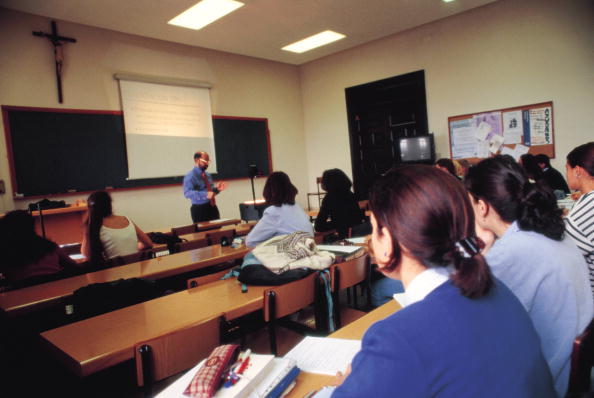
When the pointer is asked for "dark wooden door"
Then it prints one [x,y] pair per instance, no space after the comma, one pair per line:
[379,113]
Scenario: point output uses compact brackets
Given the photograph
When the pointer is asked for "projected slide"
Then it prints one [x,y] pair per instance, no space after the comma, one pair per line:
[164,126]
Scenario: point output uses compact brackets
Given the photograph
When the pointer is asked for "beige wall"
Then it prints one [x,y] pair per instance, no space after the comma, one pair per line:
[504,54]
[508,53]
[242,86]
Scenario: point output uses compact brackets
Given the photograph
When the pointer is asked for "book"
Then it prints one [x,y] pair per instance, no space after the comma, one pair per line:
[343,252]
[279,378]
[265,377]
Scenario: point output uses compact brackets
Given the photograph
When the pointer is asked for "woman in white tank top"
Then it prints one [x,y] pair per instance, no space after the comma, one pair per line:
[108,235]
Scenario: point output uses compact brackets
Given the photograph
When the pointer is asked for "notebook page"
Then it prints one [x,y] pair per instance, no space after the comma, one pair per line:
[324,355]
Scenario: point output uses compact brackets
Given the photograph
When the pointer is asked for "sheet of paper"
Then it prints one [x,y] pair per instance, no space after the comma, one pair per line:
[482,149]
[482,131]
[325,392]
[464,142]
[508,151]
[495,143]
[513,128]
[358,240]
[520,150]
[77,256]
[492,120]
[324,355]
[541,126]
[339,248]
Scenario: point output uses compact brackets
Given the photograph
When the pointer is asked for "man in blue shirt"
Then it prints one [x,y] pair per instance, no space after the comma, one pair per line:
[200,189]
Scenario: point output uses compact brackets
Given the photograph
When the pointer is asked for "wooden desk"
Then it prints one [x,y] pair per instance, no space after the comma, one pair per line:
[307,382]
[97,343]
[63,225]
[23,300]
[203,226]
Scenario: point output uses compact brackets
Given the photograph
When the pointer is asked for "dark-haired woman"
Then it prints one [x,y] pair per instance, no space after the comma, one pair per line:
[27,258]
[108,235]
[580,221]
[462,332]
[447,165]
[531,256]
[283,216]
[339,210]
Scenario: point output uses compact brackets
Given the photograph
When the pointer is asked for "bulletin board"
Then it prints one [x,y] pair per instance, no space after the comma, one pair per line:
[513,131]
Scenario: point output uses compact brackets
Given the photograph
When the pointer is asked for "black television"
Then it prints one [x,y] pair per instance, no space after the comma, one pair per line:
[419,149]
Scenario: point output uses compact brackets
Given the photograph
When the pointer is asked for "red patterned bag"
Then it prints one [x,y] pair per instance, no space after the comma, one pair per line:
[209,377]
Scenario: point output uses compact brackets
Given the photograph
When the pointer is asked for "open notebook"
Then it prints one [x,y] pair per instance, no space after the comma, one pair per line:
[266,377]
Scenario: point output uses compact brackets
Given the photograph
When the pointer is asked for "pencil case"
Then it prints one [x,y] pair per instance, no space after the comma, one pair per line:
[209,377]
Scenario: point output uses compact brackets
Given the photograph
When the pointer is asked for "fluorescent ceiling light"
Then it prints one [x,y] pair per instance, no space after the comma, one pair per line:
[447,1]
[314,41]
[204,13]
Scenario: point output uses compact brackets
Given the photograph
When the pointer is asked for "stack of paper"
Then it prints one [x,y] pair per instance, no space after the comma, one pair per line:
[324,355]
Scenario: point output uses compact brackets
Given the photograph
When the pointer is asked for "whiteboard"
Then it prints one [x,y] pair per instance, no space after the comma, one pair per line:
[164,126]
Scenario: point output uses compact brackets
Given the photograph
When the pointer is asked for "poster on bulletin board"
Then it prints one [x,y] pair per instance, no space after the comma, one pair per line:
[513,131]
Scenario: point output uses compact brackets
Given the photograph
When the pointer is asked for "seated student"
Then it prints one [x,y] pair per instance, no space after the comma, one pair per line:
[531,256]
[339,210]
[551,176]
[283,216]
[531,168]
[446,165]
[579,224]
[27,257]
[462,167]
[462,332]
[108,235]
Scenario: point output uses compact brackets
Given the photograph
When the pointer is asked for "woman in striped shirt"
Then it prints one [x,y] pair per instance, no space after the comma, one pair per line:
[579,224]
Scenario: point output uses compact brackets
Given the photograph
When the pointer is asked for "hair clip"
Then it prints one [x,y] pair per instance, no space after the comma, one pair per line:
[468,247]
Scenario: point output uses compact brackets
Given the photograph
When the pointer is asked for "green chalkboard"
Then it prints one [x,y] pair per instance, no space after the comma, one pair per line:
[55,151]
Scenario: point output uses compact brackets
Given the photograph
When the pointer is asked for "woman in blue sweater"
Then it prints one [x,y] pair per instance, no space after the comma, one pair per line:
[462,332]
[531,255]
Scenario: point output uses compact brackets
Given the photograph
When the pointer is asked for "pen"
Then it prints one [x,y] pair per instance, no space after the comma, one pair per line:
[244,363]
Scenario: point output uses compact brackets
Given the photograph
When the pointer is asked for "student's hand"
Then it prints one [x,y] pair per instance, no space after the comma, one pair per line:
[221,186]
[209,195]
[341,377]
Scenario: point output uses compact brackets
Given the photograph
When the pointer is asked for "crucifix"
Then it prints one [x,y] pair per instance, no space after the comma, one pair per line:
[57,42]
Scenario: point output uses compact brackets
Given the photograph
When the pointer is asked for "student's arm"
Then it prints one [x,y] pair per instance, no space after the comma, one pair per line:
[84,246]
[143,238]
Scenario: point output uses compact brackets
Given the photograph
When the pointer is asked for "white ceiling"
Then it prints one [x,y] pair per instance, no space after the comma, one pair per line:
[258,29]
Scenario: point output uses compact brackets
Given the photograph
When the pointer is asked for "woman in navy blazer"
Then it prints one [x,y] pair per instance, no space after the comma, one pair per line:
[461,333]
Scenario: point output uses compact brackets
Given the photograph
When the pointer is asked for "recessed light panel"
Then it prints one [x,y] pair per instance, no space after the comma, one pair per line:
[204,13]
[314,41]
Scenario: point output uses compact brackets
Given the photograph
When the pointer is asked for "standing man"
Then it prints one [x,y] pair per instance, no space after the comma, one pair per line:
[200,189]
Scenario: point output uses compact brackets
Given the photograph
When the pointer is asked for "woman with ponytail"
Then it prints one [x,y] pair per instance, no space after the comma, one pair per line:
[108,235]
[532,257]
[462,333]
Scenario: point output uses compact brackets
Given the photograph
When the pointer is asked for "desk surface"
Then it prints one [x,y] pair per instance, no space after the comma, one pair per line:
[105,340]
[21,300]
[307,382]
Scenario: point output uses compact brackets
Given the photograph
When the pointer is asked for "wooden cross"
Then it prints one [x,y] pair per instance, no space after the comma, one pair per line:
[57,42]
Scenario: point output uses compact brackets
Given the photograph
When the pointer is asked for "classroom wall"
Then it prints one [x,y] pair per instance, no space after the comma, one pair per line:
[242,86]
[507,53]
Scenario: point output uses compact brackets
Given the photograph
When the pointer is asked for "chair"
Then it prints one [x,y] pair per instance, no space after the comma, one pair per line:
[345,275]
[132,258]
[186,229]
[177,351]
[281,301]
[216,237]
[191,245]
[202,280]
[71,248]
[582,361]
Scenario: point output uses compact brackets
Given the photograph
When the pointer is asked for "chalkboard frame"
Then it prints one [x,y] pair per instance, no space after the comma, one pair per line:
[123,184]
